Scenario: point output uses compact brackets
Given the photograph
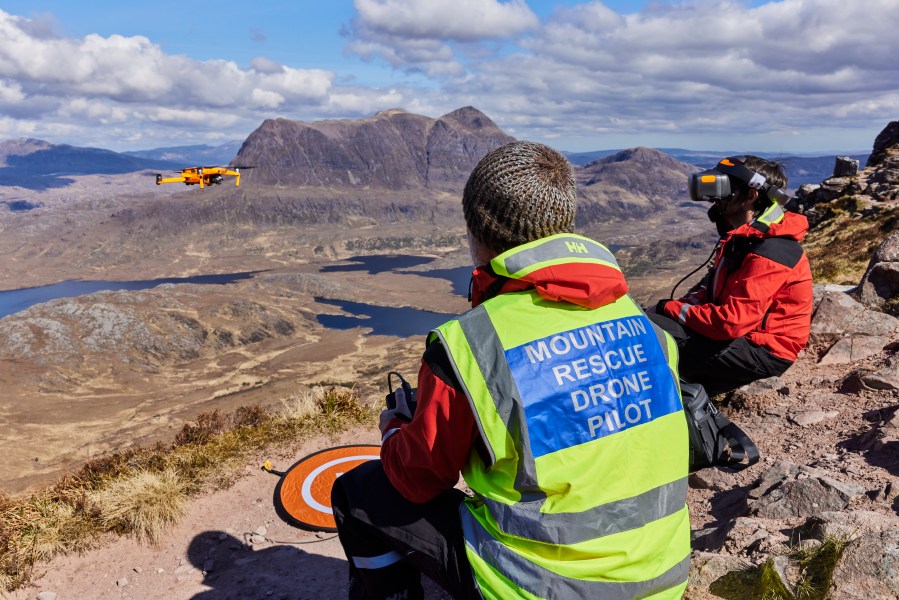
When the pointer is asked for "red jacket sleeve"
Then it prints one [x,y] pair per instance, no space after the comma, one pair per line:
[423,458]
[745,299]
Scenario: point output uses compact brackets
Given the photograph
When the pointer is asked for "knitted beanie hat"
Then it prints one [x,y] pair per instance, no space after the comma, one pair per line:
[519,193]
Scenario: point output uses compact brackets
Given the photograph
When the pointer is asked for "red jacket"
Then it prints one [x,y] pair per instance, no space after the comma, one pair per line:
[760,287]
[424,458]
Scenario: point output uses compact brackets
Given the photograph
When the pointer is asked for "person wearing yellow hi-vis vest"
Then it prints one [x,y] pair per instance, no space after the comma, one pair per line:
[558,401]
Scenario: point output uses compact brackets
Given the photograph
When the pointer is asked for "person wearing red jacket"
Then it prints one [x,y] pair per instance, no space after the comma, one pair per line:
[751,315]
[404,515]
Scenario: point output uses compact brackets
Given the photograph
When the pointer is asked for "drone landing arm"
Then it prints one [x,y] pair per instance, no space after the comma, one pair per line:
[160,180]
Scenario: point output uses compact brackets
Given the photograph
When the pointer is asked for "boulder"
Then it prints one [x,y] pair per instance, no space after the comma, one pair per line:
[838,184]
[758,536]
[842,524]
[890,427]
[807,417]
[769,384]
[839,315]
[788,573]
[885,144]
[787,490]
[845,167]
[879,286]
[708,538]
[869,568]
[713,478]
[723,575]
[884,379]
[883,184]
[820,289]
[851,349]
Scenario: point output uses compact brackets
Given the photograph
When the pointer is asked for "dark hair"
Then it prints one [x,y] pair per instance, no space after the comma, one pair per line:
[773,173]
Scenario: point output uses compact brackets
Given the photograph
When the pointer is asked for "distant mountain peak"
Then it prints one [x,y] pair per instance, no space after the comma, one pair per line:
[21,147]
[36,164]
[390,112]
[393,149]
[639,154]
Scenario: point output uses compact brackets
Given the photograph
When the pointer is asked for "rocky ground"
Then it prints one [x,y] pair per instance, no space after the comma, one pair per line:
[828,432]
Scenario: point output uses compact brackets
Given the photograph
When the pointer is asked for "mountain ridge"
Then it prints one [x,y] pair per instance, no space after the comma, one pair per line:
[37,164]
[393,149]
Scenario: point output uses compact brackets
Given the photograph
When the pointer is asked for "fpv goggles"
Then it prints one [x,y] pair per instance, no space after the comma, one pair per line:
[714,184]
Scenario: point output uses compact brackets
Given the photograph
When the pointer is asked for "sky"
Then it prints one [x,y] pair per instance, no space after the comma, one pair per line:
[803,76]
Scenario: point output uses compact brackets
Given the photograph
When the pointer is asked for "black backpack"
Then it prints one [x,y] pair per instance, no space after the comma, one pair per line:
[712,434]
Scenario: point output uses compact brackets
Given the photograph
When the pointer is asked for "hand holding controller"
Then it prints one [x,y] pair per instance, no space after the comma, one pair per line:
[401,402]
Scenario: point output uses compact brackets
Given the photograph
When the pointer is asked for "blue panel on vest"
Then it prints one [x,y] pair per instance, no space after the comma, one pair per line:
[591,382]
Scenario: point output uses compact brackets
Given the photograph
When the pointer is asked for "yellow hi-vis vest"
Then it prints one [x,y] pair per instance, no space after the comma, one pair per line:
[581,492]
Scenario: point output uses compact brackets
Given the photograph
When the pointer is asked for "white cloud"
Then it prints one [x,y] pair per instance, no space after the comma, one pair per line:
[586,73]
[419,35]
[188,118]
[432,58]
[100,80]
[460,20]
[267,99]
[261,64]
[695,67]
[10,93]
[358,103]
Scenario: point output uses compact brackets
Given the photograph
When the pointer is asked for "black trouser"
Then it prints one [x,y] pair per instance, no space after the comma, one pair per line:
[720,365]
[390,542]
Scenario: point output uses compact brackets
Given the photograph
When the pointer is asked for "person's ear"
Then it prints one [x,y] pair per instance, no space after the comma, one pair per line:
[750,198]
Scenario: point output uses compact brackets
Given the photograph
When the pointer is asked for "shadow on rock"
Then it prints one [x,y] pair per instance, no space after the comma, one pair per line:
[731,503]
[235,571]
[737,585]
[879,445]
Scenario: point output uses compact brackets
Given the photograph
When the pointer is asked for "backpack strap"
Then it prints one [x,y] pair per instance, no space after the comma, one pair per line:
[740,445]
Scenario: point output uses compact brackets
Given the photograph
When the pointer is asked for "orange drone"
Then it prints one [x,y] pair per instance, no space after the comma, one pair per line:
[203,176]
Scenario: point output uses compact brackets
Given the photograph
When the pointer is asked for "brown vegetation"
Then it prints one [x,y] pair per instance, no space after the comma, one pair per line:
[141,491]
[840,246]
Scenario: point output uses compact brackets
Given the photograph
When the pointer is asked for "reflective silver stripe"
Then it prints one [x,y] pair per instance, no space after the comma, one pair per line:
[544,583]
[377,562]
[773,215]
[555,248]
[491,459]
[682,316]
[491,359]
[661,335]
[525,520]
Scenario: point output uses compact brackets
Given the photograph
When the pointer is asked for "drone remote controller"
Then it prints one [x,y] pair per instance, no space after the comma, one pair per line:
[408,391]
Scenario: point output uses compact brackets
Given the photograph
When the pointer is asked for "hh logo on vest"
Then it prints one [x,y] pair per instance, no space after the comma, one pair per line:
[576,248]
[591,382]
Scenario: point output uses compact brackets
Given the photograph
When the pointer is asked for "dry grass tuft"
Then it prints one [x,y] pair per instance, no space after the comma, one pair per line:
[142,491]
[206,427]
[300,406]
[340,408]
[143,503]
[37,531]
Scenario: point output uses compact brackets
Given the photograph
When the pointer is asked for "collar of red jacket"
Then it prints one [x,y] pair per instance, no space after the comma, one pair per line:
[793,226]
[586,284]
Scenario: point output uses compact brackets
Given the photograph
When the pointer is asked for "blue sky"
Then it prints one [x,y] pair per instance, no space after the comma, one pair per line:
[793,75]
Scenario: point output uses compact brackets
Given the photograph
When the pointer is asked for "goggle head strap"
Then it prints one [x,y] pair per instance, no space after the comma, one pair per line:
[734,167]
